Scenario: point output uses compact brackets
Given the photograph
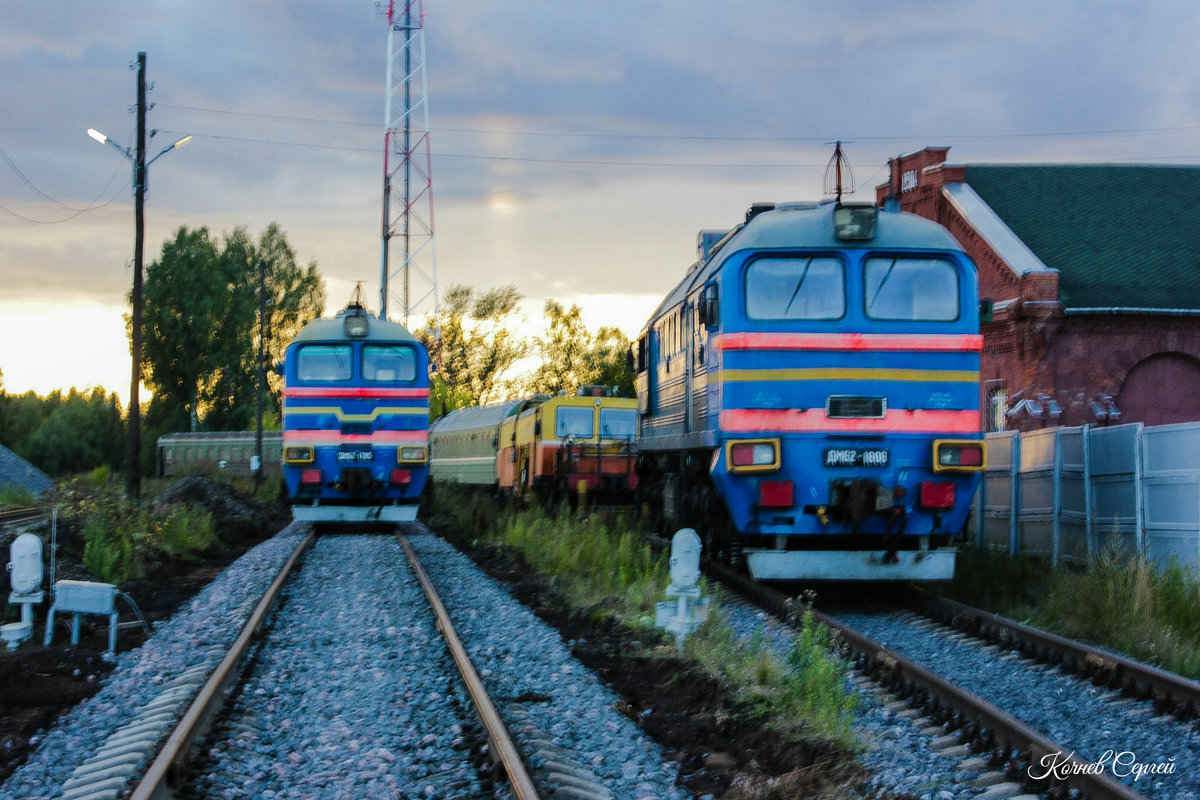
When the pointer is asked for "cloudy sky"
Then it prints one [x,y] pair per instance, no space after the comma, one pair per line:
[577,145]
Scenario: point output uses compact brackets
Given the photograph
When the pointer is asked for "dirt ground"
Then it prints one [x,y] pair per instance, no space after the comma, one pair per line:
[721,750]
[37,684]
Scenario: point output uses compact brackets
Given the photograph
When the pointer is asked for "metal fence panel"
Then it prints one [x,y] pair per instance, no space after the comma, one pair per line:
[996,495]
[1171,495]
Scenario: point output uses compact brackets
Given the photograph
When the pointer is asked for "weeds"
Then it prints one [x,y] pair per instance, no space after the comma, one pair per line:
[601,563]
[123,541]
[1133,606]
[1124,603]
[12,496]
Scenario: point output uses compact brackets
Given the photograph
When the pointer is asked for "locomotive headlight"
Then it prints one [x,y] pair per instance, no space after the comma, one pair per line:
[752,455]
[297,455]
[951,455]
[409,455]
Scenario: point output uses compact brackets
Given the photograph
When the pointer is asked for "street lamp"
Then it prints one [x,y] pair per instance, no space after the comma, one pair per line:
[128,152]
[133,475]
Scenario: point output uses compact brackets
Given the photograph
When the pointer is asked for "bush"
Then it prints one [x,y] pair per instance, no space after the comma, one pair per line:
[125,542]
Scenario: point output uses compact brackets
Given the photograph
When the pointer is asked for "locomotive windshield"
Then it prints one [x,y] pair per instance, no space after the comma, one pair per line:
[323,362]
[911,289]
[618,423]
[389,363]
[812,287]
[577,421]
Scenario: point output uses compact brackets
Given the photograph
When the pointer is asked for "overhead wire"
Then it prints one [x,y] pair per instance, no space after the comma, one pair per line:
[695,137]
[93,204]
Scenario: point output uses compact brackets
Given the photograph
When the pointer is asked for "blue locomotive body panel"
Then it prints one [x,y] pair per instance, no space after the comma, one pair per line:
[814,400]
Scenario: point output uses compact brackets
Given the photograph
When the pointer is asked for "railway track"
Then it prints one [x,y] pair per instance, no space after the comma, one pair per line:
[15,518]
[337,683]
[962,703]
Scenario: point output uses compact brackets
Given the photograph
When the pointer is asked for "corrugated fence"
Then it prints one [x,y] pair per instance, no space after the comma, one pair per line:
[1067,493]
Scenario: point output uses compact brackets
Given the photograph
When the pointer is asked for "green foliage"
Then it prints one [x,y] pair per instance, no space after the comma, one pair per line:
[100,475]
[202,325]
[1132,606]
[477,346]
[16,497]
[80,433]
[65,434]
[601,563]
[123,541]
[572,356]
[1126,604]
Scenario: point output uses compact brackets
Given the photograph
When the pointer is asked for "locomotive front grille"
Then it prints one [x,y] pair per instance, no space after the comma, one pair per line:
[844,406]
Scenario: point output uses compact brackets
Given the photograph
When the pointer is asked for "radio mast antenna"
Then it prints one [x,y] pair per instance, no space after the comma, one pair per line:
[839,177]
[407,166]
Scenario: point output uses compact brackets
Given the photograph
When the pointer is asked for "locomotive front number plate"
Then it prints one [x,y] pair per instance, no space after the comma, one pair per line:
[355,456]
[856,457]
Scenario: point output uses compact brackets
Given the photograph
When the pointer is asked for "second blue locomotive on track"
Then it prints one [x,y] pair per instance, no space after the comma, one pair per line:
[809,394]
[355,420]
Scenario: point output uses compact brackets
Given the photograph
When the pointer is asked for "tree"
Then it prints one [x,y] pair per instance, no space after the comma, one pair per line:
[477,345]
[79,433]
[572,356]
[201,317]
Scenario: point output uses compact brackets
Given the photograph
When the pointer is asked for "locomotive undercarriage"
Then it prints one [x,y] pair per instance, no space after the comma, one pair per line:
[676,490]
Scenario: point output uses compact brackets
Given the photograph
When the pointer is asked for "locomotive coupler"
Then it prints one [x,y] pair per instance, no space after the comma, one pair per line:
[897,521]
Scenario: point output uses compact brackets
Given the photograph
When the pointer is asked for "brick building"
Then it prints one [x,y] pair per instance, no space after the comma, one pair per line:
[1095,275]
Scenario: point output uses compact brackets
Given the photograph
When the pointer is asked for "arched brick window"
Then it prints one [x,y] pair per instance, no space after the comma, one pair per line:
[1161,389]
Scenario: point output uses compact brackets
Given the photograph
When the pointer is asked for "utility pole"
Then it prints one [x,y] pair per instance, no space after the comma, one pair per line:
[137,156]
[257,466]
[133,476]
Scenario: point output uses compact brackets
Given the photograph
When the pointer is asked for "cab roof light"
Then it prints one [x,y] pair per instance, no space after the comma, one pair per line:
[855,221]
[355,325]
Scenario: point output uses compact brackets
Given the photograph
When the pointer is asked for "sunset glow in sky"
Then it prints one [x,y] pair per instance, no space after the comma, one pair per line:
[577,147]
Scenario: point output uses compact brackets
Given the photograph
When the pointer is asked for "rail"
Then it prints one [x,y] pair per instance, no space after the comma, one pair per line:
[502,745]
[166,771]
[1167,689]
[1001,731]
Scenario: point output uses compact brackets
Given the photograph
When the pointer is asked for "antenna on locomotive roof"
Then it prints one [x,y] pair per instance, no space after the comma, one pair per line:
[840,172]
[358,299]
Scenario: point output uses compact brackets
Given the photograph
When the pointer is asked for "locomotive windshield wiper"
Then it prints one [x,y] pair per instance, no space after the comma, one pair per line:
[799,283]
[879,288]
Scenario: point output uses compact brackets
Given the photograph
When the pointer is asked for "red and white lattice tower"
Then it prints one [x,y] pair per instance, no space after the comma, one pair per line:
[407,168]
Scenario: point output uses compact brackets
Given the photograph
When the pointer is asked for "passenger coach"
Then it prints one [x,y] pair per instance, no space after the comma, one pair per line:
[808,394]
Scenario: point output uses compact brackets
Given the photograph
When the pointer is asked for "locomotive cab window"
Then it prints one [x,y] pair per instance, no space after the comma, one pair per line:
[323,362]
[911,289]
[798,287]
[389,363]
[618,423]
[577,421]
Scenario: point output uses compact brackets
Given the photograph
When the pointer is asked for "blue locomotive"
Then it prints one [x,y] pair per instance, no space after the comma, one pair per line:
[355,420]
[809,395]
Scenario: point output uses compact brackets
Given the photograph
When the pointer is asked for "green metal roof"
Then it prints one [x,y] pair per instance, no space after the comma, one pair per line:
[1120,235]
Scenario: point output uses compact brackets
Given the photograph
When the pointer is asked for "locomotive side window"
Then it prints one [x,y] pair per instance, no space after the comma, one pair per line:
[323,362]
[577,421]
[911,289]
[389,363]
[812,287]
[618,423]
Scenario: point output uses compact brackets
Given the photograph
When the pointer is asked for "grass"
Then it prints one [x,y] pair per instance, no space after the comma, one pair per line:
[602,565]
[1126,604]
[16,497]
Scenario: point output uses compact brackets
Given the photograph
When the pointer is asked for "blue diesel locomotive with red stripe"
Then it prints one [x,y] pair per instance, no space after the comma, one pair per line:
[355,420]
[809,395]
